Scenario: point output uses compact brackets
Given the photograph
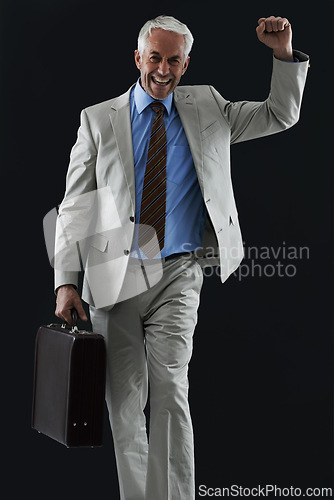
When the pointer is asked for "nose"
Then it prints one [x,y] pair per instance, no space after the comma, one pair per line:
[163,69]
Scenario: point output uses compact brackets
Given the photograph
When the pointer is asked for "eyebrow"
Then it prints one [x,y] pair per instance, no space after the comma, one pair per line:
[171,57]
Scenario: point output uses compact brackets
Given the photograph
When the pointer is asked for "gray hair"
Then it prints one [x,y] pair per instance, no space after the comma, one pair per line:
[167,23]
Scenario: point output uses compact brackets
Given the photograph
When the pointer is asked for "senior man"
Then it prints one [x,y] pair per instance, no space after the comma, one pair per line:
[161,152]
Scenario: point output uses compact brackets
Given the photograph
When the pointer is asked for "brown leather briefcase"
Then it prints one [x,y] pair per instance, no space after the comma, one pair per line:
[69,385]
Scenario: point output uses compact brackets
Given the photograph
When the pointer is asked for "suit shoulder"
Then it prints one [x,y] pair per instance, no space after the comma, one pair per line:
[100,106]
[197,91]
[105,106]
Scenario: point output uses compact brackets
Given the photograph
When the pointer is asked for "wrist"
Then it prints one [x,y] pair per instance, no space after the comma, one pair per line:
[65,287]
[285,54]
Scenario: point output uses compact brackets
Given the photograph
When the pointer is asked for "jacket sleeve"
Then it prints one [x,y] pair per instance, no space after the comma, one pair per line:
[250,120]
[76,210]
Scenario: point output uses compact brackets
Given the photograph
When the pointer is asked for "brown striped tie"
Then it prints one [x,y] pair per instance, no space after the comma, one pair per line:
[153,204]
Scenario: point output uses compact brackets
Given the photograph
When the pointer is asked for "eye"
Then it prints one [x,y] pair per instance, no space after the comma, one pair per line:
[174,62]
[154,59]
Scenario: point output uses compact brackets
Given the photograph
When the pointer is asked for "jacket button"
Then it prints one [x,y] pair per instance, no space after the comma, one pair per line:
[126,252]
[132,219]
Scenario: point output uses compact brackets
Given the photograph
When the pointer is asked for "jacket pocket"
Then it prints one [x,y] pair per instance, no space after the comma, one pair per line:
[214,127]
[99,242]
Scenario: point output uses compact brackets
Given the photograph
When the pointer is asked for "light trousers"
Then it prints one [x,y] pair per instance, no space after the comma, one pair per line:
[149,346]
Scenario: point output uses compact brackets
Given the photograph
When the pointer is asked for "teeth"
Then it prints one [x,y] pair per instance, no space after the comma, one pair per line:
[161,82]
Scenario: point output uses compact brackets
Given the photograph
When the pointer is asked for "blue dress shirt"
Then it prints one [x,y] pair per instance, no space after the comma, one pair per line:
[185,209]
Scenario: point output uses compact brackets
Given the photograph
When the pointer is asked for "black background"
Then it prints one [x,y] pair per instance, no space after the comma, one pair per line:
[261,373]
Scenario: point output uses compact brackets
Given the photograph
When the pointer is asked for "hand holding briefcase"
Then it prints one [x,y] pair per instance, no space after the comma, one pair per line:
[69,384]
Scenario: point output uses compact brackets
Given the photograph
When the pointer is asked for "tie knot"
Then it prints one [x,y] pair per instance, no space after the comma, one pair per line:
[157,107]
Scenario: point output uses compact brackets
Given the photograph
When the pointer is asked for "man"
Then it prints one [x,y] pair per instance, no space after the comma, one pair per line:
[165,168]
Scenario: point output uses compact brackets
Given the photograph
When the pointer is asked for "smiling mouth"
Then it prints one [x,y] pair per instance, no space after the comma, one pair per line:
[161,81]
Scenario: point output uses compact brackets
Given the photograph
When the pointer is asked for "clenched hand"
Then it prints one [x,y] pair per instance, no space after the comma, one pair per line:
[276,33]
[68,299]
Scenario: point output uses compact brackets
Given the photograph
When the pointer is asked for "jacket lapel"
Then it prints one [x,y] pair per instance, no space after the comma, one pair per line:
[121,123]
[187,109]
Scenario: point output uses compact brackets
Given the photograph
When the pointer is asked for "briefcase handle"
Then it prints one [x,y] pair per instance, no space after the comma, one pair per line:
[74,315]
[73,328]
[75,318]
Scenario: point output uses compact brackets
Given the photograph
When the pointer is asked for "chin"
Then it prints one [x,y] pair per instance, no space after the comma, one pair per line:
[159,97]
[160,93]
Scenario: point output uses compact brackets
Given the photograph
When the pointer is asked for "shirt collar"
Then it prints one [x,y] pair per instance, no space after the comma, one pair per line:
[142,99]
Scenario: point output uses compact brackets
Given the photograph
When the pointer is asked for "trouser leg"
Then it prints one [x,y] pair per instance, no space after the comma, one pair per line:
[126,393]
[169,328]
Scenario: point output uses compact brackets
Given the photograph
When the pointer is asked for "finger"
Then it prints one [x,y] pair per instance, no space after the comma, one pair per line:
[65,315]
[271,23]
[261,27]
[80,310]
[274,23]
[68,317]
[268,27]
[281,23]
[77,305]
[57,313]
[286,23]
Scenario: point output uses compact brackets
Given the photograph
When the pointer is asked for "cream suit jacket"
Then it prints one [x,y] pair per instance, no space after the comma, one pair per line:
[99,203]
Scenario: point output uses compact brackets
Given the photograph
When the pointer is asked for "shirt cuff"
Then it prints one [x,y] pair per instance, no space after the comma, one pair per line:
[295,60]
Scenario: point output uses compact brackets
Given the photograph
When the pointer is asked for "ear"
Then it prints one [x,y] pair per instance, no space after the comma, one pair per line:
[137,59]
[186,64]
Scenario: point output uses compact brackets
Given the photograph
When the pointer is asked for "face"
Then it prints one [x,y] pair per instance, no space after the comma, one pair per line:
[162,64]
